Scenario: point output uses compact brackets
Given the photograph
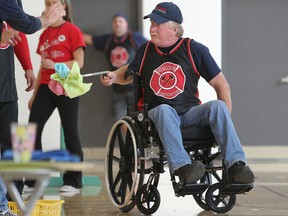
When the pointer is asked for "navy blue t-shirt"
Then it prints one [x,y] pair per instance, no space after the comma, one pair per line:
[119,51]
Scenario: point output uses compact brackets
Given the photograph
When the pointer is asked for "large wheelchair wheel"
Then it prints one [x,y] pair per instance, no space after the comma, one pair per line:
[124,172]
[148,199]
[218,202]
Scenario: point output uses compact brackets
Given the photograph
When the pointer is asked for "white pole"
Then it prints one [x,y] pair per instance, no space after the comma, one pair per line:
[94,73]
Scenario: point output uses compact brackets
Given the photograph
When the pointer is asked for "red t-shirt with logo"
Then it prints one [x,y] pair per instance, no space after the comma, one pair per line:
[58,44]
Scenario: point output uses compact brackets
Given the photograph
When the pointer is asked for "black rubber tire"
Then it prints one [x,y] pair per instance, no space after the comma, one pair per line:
[124,172]
[219,203]
[201,201]
[145,198]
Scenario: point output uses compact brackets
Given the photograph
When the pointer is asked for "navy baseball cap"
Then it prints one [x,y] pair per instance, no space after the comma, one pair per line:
[164,12]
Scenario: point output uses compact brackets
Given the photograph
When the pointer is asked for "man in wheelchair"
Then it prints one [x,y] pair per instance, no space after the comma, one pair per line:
[170,67]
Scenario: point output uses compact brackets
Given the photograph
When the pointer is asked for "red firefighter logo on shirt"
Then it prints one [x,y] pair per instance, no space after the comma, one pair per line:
[119,56]
[168,80]
[5,28]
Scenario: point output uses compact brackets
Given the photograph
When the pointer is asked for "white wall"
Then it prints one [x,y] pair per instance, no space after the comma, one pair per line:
[51,135]
[202,22]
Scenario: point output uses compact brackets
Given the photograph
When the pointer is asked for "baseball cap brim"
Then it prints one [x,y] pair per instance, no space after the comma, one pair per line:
[156,18]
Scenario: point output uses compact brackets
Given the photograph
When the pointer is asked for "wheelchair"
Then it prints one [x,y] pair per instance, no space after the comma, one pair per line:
[125,168]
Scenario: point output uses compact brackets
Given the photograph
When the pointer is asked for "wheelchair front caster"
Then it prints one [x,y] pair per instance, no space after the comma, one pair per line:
[219,202]
[200,200]
[148,199]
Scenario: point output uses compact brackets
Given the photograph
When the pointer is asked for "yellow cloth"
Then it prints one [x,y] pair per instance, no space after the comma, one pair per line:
[73,83]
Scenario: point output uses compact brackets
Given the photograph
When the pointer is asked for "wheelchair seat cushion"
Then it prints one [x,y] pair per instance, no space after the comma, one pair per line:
[196,134]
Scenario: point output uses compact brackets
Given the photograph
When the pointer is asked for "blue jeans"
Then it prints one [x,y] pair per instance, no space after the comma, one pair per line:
[3,200]
[214,114]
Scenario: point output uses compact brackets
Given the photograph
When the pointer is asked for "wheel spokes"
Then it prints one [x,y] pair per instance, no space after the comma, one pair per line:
[122,165]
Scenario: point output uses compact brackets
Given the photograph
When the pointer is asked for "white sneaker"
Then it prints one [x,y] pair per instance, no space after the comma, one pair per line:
[69,194]
[68,188]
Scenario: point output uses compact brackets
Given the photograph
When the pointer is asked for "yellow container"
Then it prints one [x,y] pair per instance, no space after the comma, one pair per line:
[42,208]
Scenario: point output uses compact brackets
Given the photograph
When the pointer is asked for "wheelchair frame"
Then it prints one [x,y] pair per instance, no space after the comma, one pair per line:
[125,169]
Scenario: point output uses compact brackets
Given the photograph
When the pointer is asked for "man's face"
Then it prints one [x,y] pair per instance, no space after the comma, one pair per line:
[161,34]
[119,26]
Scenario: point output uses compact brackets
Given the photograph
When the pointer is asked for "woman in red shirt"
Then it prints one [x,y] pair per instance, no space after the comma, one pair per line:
[61,42]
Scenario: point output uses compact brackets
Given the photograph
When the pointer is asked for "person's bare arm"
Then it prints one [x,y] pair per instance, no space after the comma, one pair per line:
[88,39]
[116,77]
[78,56]
[36,87]
[221,86]
[22,52]
[30,79]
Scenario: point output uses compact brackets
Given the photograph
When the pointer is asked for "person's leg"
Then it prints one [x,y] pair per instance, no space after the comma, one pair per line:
[4,209]
[119,106]
[68,110]
[121,101]
[216,115]
[42,108]
[3,200]
[8,114]
[167,123]
[129,99]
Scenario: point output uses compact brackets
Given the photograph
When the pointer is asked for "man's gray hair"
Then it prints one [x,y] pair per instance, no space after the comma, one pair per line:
[179,27]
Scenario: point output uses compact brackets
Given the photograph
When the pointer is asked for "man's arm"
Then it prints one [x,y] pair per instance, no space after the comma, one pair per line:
[22,52]
[221,86]
[36,87]
[88,38]
[116,77]
[23,55]
[11,12]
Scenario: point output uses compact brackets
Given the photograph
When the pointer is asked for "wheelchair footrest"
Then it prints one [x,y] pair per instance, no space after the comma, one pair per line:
[181,189]
[236,188]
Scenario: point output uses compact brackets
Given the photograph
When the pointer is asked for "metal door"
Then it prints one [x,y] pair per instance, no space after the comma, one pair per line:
[255,57]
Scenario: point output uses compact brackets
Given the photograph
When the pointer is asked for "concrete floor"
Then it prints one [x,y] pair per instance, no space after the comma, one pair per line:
[268,197]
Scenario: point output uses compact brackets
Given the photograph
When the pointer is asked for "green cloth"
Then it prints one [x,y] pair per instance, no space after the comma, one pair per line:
[73,83]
